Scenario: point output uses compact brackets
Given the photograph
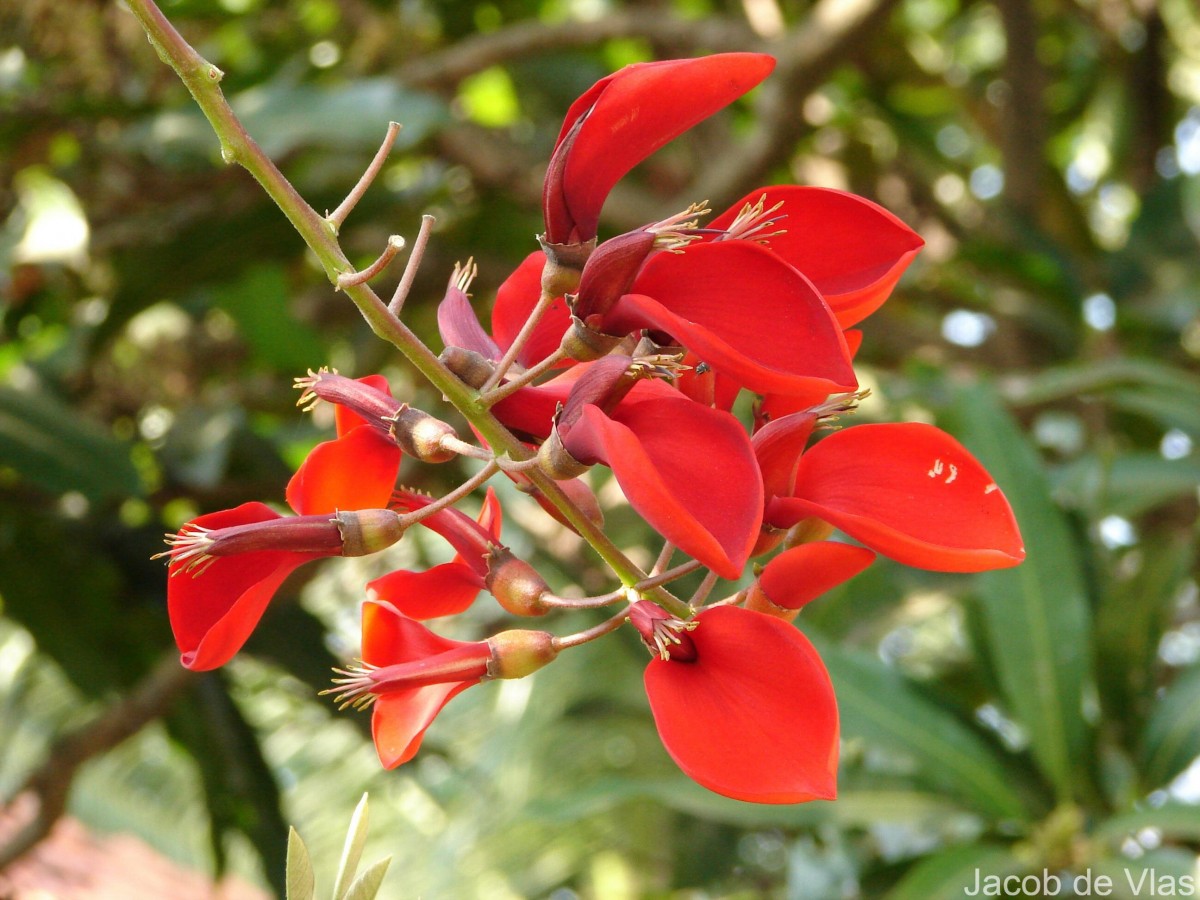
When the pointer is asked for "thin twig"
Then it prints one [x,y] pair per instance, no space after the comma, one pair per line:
[510,355]
[409,519]
[414,263]
[394,245]
[529,375]
[338,216]
[590,634]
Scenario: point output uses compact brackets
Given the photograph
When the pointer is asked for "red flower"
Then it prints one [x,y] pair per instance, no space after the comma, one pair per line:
[624,118]
[852,250]
[451,587]
[409,673]
[909,491]
[743,704]
[687,469]
[226,566]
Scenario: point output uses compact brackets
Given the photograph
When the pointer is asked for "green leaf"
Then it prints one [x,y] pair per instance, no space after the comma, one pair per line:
[368,884]
[1036,615]
[881,707]
[1172,737]
[1176,822]
[260,303]
[54,447]
[1128,485]
[1131,620]
[301,882]
[356,837]
[948,875]
[1067,382]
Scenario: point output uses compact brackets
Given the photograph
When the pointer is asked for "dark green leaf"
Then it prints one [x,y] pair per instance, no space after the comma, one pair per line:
[1172,738]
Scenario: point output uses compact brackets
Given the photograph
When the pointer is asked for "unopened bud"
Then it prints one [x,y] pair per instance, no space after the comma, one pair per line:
[368,531]
[515,584]
[610,271]
[420,435]
[518,653]
[473,369]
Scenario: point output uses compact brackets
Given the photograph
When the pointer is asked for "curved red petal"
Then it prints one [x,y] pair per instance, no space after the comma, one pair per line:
[213,613]
[911,492]
[754,716]
[743,311]
[389,637]
[401,718]
[515,300]
[345,419]
[629,115]
[444,590]
[853,250]
[801,574]
[778,446]
[687,469]
[356,471]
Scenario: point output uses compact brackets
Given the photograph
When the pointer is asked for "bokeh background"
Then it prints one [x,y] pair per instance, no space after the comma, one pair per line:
[154,308]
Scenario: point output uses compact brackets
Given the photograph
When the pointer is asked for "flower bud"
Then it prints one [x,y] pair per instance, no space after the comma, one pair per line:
[583,343]
[610,271]
[473,369]
[518,653]
[368,531]
[564,265]
[420,435]
[515,584]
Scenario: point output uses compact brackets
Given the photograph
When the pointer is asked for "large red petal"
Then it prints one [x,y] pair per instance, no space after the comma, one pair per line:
[628,116]
[515,300]
[754,716]
[909,491]
[213,613]
[687,469]
[444,590]
[743,311]
[803,573]
[401,717]
[853,250]
[356,471]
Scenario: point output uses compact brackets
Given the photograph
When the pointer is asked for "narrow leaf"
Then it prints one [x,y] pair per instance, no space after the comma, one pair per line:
[1036,616]
[1172,738]
[301,883]
[368,884]
[949,875]
[352,851]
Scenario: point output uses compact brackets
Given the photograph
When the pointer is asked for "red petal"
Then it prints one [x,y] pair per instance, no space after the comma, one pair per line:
[801,574]
[629,115]
[754,716]
[444,590]
[401,717]
[746,313]
[356,471]
[853,250]
[345,419]
[213,613]
[687,469]
[515,300]
[909,491]
[778,446]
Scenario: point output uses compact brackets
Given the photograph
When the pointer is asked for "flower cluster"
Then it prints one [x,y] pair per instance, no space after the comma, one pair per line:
[632,354]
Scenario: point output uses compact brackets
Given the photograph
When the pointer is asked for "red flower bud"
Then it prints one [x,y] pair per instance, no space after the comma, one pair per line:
[515,584]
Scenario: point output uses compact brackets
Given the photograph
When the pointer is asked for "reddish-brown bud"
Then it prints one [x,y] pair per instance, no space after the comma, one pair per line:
[420,435]
[515,584]
[583,343]
[518,653]
[555,461]
[368,531]
[472,368]
[564,265]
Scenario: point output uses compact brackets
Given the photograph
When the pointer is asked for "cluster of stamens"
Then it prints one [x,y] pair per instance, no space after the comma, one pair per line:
[665,634]
[307,386]
[188,550]
[676,232]
[355,686]
[752,220]
[838,405]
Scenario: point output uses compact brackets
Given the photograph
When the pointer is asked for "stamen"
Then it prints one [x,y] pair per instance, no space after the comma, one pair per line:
[752,219]
[464,274]
[666,632]
[307,386]
[837,405]
[676,232]
[355,688]
[188,550]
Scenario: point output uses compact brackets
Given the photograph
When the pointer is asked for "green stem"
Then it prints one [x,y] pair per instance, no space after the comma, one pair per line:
[203,81]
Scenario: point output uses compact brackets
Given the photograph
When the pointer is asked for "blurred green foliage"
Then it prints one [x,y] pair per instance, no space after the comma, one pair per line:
[154,307]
